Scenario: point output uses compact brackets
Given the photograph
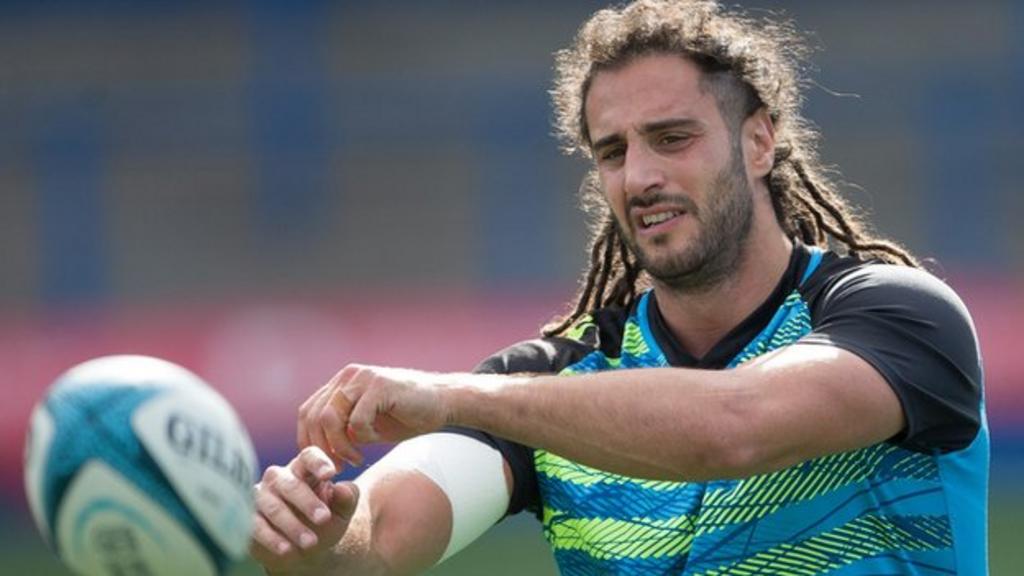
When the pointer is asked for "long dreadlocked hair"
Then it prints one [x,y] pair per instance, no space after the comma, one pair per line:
[747,64]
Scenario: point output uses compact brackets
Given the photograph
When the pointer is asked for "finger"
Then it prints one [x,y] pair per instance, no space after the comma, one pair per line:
[307,416]
[334,425]
[283,518]
[297,489]
[313,463]
[314,425]
[266,543]
[364,414]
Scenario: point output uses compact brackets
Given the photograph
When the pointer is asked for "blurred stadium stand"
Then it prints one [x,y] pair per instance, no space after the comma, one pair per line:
[264,191]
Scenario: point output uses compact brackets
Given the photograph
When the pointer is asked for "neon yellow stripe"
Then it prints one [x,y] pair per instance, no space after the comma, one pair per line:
[763,495]
[578,330]
[858,539]
[606,538]
[633,340]
[555,466]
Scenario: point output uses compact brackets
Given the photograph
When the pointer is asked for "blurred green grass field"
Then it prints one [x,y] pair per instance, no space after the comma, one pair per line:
[515,547]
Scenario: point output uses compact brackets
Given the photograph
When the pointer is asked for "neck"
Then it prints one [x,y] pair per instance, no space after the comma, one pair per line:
[699,319]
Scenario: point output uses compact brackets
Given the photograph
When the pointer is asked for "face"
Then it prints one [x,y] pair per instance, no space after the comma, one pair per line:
[671,170]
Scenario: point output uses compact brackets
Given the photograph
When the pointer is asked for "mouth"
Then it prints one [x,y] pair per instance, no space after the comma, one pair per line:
[655,220]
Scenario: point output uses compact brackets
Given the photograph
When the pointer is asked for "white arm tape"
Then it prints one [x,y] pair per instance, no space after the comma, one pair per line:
[469,472]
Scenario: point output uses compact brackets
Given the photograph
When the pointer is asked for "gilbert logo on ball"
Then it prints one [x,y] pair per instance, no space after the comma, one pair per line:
[133,465]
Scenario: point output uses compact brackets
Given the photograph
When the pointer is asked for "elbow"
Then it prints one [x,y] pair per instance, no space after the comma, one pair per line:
[738,441]
[733,459]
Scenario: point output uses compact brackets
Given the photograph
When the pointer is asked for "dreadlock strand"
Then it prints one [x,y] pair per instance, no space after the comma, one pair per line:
[631,274]
[849,231]
[812,228]
[586,294]
[607,265]
[585,297]
[824,198]
[623,288]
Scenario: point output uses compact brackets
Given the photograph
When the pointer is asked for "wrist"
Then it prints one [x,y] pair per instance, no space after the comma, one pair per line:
[475,400]
[456,398]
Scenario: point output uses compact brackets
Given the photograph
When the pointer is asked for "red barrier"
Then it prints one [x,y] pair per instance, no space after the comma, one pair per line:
[266,357]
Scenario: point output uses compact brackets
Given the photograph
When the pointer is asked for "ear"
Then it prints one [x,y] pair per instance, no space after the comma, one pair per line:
[759,143]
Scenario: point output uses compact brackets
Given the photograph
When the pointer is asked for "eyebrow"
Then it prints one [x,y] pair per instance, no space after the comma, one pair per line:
[648,128]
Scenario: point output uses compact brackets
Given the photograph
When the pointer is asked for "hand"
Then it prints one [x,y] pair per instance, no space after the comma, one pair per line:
[364,404]
[300,513]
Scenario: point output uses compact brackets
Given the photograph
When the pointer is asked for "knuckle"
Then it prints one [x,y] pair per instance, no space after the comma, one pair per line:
[281,480]
[328,416]
[272,508]
[271,474]
[287,483]
[348,372]
[311,455]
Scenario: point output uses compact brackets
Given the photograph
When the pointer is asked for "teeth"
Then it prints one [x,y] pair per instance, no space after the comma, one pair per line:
[652,219]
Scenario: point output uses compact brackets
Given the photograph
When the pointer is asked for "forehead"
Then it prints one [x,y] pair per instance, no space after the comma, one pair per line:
[647,89]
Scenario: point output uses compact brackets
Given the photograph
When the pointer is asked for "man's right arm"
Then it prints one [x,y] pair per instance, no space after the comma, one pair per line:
[394,519]
[389,521]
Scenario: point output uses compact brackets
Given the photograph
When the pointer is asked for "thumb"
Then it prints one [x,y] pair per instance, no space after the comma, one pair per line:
[344,496]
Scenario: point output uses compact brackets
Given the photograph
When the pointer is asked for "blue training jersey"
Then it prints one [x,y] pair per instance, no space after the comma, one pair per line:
[916,504]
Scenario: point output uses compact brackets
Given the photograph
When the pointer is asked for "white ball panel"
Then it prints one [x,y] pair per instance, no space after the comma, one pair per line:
[37,446]
[106,521]
[202,448]
[128,370]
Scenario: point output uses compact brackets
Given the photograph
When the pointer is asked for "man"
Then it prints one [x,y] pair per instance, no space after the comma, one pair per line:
[728,396]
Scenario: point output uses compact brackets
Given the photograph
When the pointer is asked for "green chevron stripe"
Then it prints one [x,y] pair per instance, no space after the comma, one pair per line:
[762,495]
[578,330]
[607,539]
[566,470]
[633,340]
[859,539]
[794,327]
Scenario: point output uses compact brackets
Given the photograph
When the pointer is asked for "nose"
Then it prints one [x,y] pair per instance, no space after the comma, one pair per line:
[642,171]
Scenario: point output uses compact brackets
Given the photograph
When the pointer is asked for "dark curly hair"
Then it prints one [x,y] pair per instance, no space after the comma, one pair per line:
[746,64]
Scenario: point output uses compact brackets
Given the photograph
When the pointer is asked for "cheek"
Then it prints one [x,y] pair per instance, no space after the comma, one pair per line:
[612,192]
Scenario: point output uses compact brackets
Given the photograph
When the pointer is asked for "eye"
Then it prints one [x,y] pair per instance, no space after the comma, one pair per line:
[611,153]
[671,138]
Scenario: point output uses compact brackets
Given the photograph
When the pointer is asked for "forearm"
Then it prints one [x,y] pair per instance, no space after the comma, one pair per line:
[685,424]
[661,423]
[403,525]
[651,423]
[355,553]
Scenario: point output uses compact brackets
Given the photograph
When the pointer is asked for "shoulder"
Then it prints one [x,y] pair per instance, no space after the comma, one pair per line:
[847,286]
[918,334]
[599,330]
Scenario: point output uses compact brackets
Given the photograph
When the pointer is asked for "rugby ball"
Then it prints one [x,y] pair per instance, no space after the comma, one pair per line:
[134,465]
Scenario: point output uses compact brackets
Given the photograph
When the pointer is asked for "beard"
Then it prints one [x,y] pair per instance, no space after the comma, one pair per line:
[723,228]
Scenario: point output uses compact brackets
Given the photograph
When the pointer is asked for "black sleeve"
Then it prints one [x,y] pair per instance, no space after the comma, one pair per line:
[919,336]
[534,356]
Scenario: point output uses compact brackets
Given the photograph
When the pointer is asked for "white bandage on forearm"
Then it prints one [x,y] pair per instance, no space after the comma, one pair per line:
[469,472]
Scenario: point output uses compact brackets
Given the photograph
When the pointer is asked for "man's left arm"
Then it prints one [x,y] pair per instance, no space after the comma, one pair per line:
[660,423]
[893,357]
[797,403]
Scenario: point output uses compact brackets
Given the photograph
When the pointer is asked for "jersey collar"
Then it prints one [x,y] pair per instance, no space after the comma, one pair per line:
[733,342]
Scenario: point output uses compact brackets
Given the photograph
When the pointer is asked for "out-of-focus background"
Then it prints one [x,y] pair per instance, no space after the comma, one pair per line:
[266,191]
